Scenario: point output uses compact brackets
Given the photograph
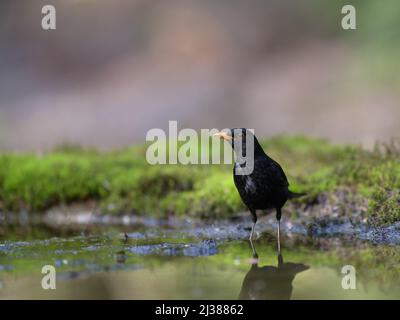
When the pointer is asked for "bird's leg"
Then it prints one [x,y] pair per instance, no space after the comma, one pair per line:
[254,216]
[252,231]
[279,236]
[280,260]
[255,255]
[278,217]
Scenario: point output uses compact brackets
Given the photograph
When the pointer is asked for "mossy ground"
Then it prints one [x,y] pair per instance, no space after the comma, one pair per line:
[122,181]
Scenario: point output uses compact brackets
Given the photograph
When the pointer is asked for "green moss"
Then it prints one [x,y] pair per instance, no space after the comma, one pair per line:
[384,206]
[214,196]
[122,181]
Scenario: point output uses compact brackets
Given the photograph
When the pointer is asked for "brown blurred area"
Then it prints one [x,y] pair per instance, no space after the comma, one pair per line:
[112,70]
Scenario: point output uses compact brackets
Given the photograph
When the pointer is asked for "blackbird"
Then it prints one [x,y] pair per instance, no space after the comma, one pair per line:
[266,187]
[270,282]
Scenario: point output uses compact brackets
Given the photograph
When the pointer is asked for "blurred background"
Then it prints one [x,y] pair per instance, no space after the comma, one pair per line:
[112,70]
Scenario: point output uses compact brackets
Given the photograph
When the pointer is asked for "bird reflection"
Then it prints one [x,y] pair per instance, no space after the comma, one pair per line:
[270,282]
[121,257]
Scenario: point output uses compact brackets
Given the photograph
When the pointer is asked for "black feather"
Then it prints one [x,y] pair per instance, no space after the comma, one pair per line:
[267,186]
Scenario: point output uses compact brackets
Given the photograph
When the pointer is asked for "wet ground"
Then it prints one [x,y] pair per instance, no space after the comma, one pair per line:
[184,259]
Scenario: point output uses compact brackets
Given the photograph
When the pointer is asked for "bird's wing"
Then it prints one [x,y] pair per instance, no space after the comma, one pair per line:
[265,187]
[280,173]
[270,171]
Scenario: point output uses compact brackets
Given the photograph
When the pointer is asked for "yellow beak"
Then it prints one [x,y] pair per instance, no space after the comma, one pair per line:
[223,135]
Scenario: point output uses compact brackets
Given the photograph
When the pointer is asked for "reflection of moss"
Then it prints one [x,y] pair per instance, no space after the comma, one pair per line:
[374,265]
[122,181]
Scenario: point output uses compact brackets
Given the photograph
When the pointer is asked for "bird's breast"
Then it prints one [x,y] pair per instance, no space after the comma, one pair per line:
[249,185]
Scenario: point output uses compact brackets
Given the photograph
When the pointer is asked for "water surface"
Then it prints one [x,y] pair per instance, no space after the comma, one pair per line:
[186,261]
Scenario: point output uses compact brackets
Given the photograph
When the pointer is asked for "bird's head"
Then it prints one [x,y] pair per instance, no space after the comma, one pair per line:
[240,138]
[234,134]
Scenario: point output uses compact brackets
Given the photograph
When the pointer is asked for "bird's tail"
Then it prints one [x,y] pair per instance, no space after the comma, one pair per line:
[294,195]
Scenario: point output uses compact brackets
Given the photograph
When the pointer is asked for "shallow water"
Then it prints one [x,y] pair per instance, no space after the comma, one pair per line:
[191,261]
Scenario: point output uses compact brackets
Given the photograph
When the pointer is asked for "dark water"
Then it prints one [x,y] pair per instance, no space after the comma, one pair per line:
[191,261]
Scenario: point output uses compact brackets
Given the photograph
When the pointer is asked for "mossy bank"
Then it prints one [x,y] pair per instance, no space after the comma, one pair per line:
[343,180]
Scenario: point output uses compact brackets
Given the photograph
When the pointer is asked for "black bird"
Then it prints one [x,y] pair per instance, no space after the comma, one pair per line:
[270,282]
[266,187]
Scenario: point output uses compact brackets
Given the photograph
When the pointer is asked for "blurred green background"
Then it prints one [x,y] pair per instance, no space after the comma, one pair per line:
[112,70]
